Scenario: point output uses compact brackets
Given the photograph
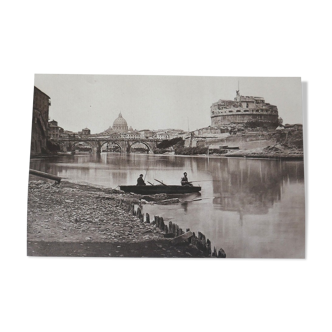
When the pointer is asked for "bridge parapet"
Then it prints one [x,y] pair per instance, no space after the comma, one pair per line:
[96,143]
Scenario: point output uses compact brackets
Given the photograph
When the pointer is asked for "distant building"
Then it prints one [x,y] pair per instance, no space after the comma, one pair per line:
[172,133]
[120,125]
[146,133]
[132,134]
[211,130]
[41,104]
[67,133]
[86,131]
[161,135]
[243,109]
[54,131]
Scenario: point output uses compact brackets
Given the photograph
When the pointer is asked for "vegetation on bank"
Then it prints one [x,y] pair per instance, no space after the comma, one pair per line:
[262,124]
[191,151]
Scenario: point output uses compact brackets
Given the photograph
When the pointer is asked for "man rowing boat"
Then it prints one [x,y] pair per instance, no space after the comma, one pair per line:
[185,181]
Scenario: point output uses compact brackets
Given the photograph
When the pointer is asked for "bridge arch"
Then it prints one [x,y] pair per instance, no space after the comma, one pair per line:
[112,143]
[140,142]
[74,144]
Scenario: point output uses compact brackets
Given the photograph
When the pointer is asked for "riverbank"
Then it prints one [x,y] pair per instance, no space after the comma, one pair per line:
[270,152]
[72,219]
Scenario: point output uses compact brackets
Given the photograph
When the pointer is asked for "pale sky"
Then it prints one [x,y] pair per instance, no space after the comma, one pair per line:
[158,102]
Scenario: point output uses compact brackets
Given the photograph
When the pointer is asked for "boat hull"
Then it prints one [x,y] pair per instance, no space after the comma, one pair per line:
[160,189]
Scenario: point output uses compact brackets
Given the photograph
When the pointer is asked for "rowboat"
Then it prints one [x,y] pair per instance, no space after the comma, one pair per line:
[160,189]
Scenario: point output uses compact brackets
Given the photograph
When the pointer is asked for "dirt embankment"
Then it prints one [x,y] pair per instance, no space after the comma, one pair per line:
[283,145]
[78,220]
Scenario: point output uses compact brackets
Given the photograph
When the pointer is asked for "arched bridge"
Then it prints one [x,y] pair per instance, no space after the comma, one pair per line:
[98,143]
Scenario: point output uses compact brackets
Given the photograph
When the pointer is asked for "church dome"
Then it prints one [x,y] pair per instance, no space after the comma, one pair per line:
[120,124]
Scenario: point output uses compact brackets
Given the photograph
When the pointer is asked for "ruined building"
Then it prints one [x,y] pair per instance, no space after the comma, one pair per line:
[243,109]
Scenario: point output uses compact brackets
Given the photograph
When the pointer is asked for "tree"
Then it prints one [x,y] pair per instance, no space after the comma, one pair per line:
[168,143]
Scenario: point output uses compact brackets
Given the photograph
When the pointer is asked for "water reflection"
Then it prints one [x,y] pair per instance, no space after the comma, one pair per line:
[251,186]
[250,208]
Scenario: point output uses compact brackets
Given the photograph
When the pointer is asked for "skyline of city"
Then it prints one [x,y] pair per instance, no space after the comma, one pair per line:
[157,102]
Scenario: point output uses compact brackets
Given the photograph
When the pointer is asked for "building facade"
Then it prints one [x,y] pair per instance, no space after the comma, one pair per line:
[54,131]
[40,113]
[161,135]
[85,132]
[243,109]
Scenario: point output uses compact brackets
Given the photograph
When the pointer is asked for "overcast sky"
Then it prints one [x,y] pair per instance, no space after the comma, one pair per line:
[157,102]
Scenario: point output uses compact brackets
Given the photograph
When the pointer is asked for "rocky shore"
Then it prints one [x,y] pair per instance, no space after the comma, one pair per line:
[69,219]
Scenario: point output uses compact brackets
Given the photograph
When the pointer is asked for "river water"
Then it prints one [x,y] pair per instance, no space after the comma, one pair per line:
[250,208]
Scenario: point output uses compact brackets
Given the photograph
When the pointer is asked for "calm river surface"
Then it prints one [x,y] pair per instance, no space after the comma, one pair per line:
[250,208]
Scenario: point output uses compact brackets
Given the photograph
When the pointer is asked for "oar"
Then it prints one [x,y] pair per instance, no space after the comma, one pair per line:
[146,173]
[200,181]
[150,183]
[161,182]
[197,199]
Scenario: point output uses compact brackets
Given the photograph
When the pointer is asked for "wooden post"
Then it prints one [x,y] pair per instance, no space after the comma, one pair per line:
[194,240]
[170,226]
[162,224]
[208,247]
[221,253]
[166,229]
[147,218]
[139,212]
[203,240]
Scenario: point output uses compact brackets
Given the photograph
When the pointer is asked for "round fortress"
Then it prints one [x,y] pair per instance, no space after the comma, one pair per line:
[243,109]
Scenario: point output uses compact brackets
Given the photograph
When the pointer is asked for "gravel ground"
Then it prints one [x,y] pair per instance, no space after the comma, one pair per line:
[78,220]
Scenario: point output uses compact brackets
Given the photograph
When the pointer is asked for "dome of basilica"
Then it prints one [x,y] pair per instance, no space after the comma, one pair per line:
[120,124]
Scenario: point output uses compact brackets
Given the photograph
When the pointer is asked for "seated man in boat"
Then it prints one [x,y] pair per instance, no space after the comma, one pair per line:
[140,181]
[185,181]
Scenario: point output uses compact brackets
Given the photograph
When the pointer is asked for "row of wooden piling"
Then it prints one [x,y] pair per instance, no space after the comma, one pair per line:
[172,230]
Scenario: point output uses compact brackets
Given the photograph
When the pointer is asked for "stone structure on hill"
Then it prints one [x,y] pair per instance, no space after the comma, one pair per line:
[243,109]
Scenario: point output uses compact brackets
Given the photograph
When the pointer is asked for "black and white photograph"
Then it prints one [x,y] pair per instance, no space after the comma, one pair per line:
[166,166]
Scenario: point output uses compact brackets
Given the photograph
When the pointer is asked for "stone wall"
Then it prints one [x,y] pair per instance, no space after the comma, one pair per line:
[224,119]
